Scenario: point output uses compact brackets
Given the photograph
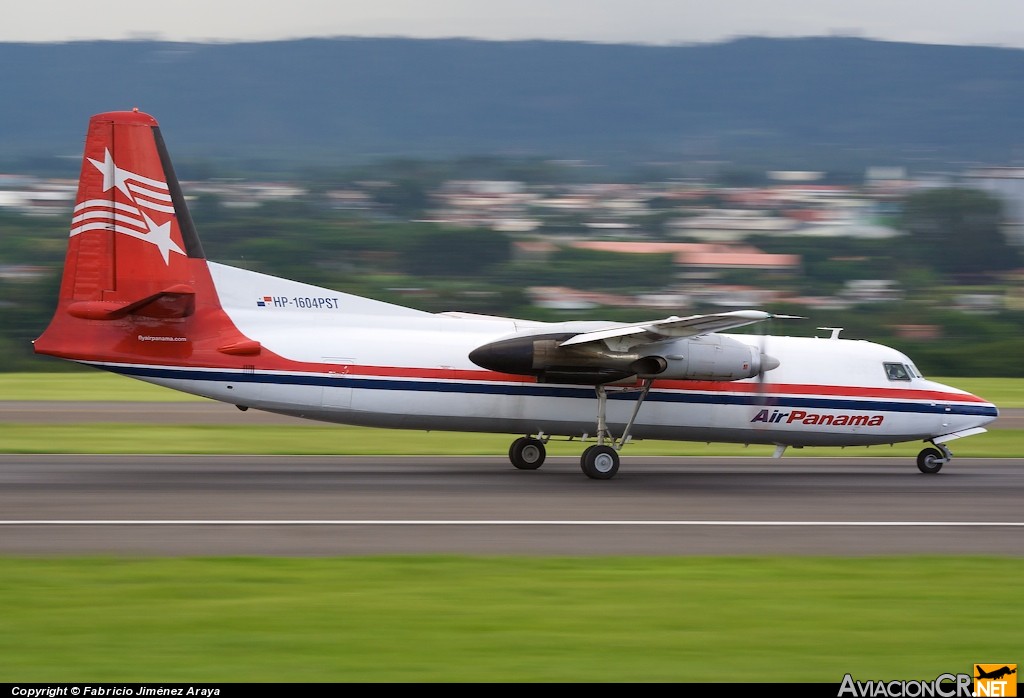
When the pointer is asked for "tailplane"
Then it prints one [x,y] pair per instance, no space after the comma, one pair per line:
[136,286]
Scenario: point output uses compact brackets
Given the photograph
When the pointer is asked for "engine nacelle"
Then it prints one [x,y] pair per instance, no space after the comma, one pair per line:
[709,357]
[706,357]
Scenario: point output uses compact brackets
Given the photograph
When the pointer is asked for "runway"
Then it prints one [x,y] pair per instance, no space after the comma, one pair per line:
[481,505]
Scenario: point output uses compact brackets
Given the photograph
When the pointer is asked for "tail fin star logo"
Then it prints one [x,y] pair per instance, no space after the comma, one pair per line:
[145,194]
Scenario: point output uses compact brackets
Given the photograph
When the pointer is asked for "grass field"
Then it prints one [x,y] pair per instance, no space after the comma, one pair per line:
[482,619]
[462,619]
[84,385]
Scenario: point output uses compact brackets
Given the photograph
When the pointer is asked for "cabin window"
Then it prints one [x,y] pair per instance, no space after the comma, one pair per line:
[897,372]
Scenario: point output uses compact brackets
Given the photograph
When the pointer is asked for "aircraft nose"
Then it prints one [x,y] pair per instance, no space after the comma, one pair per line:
[985,412]
[962,410]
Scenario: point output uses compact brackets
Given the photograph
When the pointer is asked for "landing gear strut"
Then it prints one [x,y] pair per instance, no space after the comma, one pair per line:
[598,462]
[931,460]
[601,461]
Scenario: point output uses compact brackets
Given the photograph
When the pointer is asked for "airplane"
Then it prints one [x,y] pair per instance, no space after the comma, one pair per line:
[139,298]
[995,674]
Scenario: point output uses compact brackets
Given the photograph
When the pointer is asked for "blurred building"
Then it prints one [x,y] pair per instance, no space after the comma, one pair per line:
[1007,184]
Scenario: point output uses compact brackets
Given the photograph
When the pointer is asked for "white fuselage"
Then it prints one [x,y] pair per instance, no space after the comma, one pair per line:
[356,361]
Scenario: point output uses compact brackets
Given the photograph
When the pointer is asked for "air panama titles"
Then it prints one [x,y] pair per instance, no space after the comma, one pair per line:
[812,418]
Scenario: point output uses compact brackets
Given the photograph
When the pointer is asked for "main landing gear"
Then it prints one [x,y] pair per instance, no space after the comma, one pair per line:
[598,462]
[527,453]
[931,460]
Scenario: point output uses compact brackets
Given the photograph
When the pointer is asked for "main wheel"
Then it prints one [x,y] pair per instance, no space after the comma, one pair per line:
[526,453]
[929,461]
[600,462]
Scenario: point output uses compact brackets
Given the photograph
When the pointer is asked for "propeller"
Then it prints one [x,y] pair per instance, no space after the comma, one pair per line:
[764,367]
[767,361]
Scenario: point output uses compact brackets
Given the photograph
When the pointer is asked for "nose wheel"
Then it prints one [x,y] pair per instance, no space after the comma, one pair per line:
[931,460]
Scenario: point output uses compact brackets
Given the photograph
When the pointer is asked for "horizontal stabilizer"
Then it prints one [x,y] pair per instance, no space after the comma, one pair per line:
[175,302]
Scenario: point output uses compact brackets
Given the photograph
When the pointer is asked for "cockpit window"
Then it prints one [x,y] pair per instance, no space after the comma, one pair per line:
[897,372]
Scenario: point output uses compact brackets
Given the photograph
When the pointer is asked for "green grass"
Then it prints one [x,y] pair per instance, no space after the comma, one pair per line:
[1004,392]
[99,385]
[345,440]
[494,619]
[481,619]
[84,386]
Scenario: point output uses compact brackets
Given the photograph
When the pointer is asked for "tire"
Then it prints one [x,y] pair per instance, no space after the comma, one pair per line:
[526,453]
[929,461]
[600,462]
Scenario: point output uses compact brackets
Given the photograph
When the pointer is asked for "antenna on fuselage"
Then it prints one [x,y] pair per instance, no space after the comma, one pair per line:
[835,331]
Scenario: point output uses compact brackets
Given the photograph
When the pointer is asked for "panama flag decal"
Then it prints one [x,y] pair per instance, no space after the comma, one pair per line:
[147,196]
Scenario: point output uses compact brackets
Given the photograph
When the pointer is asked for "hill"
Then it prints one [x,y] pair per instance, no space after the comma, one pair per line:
[783,102]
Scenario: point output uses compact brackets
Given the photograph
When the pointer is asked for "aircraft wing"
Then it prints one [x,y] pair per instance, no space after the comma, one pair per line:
[575,353]
[675,327]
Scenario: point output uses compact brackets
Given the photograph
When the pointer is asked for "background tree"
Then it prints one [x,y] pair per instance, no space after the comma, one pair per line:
[458,253]
[958,231]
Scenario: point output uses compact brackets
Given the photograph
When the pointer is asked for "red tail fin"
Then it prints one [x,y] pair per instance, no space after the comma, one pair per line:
[135,285]
[131,235]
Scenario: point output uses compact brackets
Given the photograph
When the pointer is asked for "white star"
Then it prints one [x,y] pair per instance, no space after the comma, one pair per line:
[113,176]
[160,235]
[156,235]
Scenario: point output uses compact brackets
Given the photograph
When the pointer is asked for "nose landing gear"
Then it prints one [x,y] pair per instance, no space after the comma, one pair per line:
[931,460]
